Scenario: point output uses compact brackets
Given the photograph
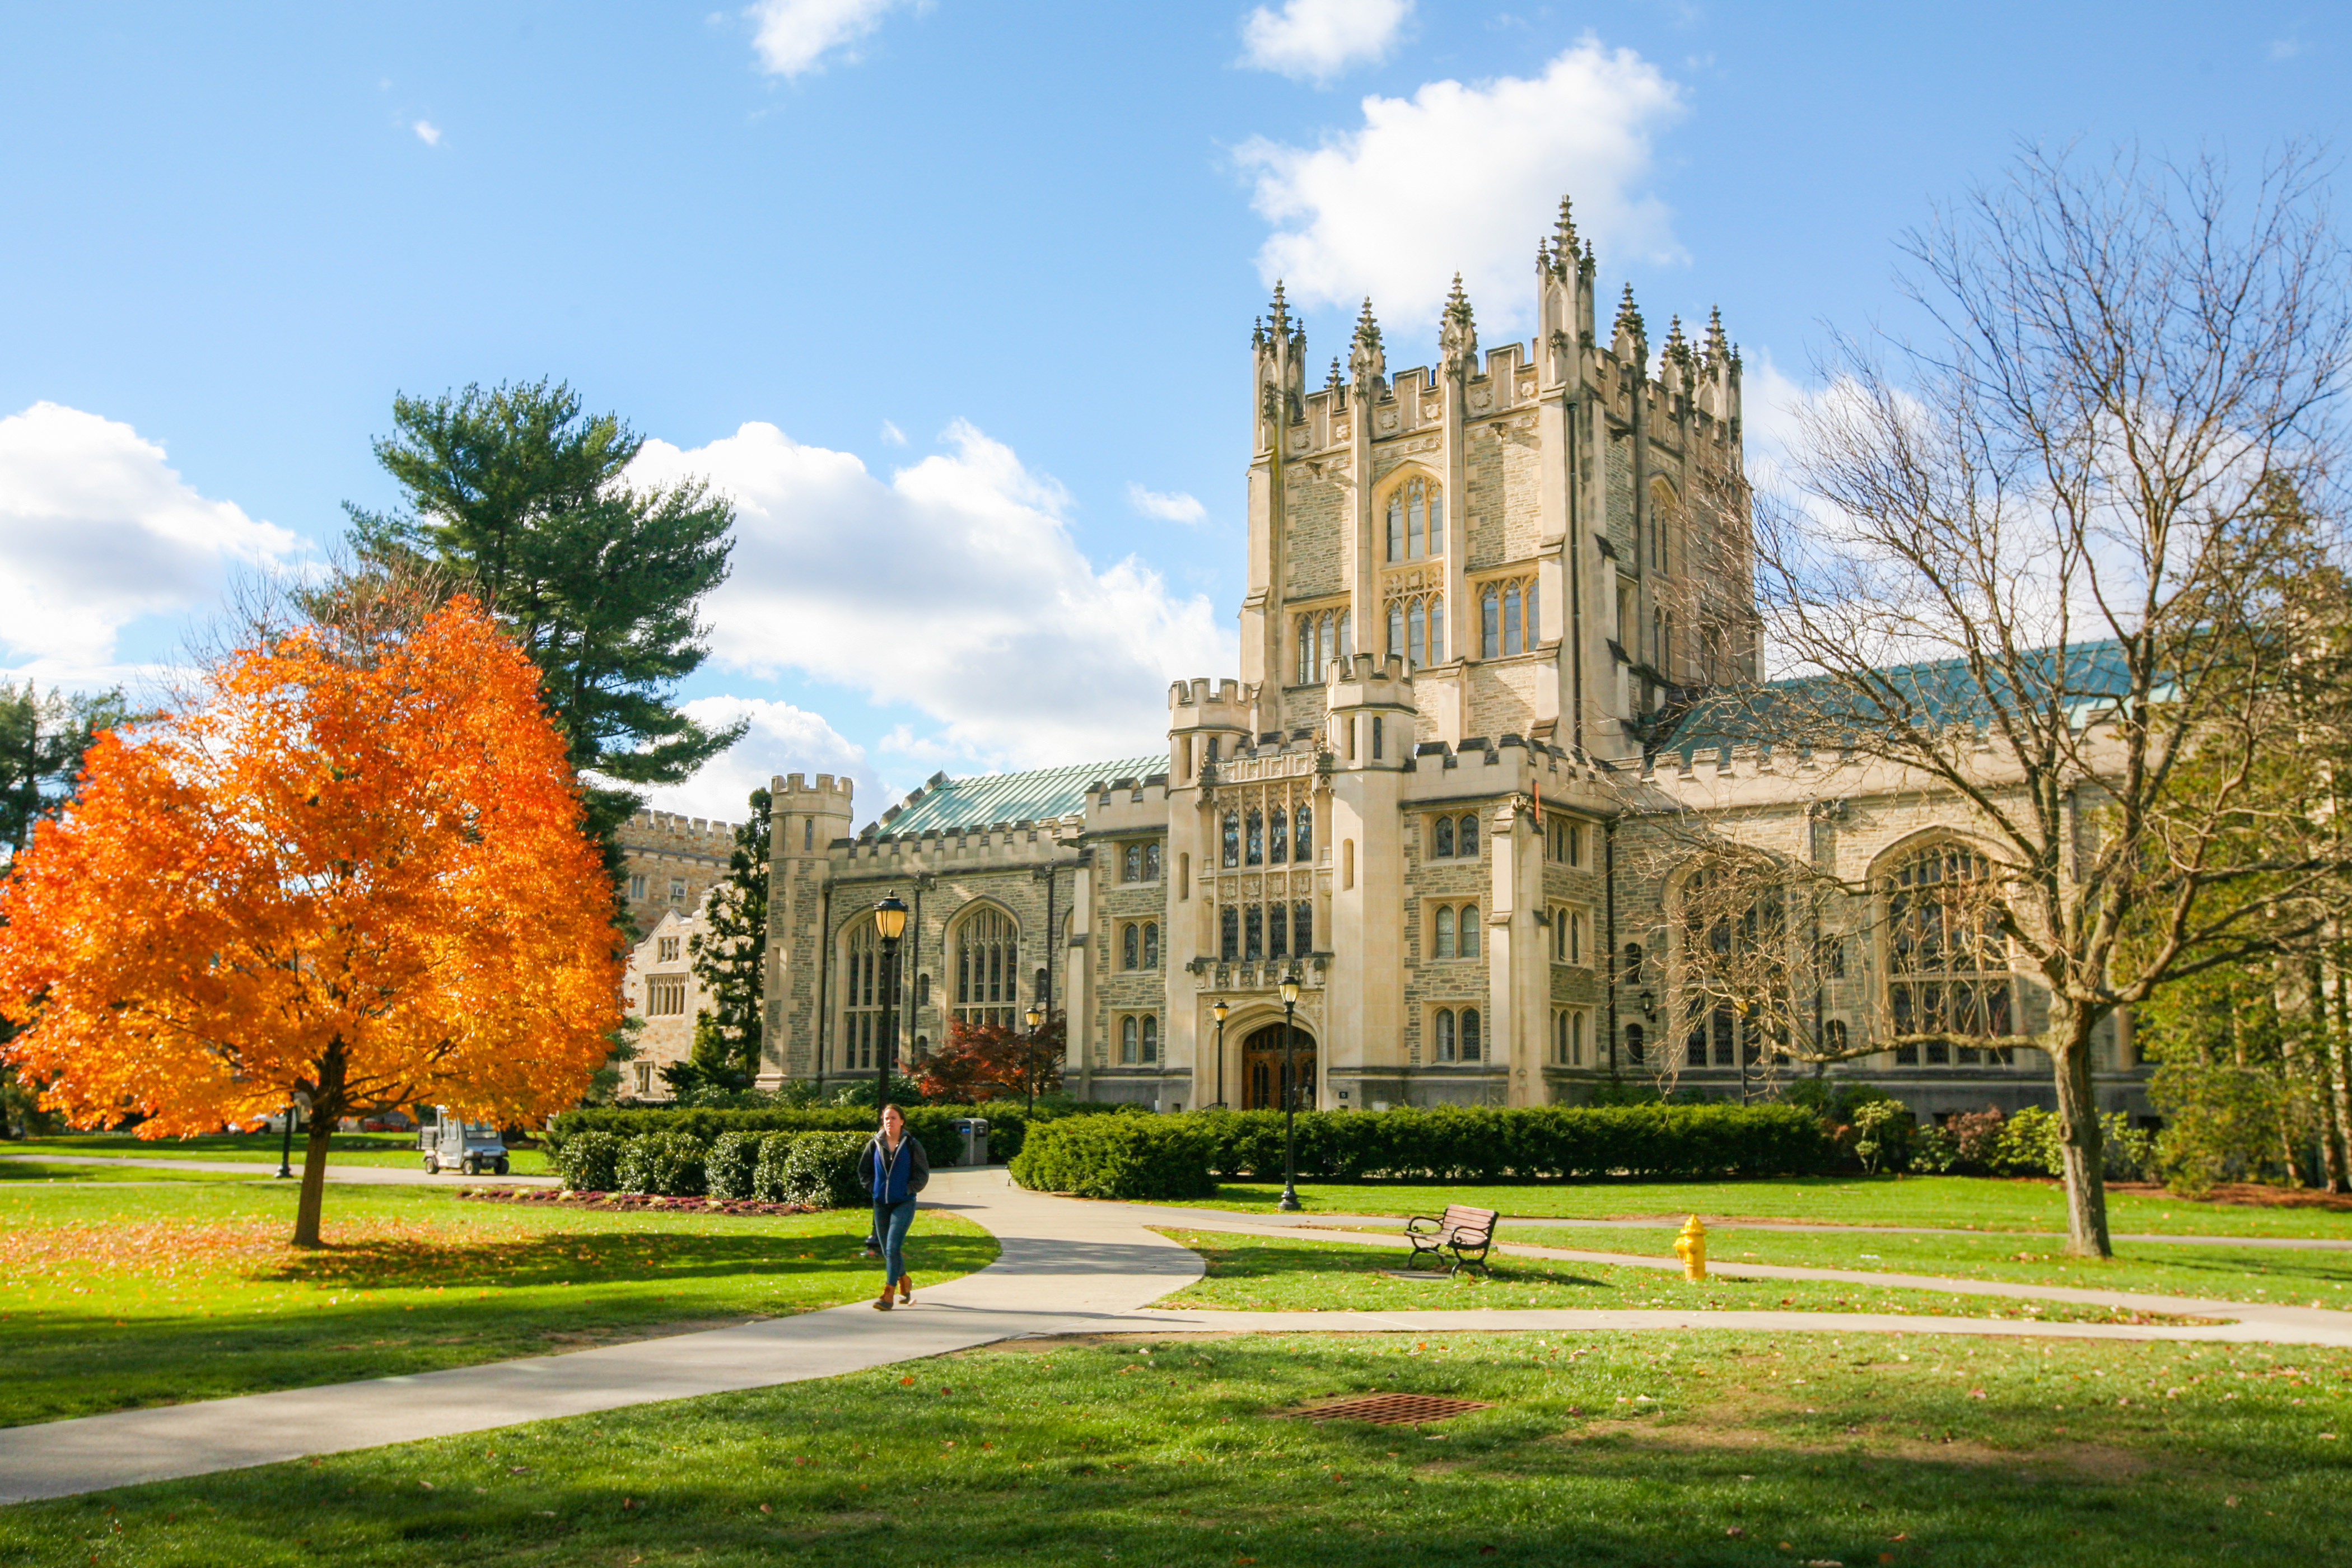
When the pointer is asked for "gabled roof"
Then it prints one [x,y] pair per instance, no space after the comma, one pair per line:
[2087,676]
[943,803]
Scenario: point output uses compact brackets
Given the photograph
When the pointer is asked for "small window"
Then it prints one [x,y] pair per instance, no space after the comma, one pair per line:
[1229,934]
[1129,1048]
[1576,1039]
[1633,1042]
[1465,838]
[1469,1034]
[808,833]
[1513,633]
[1278,931]
[1442,1030]
[1302,836]
[1441,846]
[1833,1036]
[1633,974]
[1130,948]
[1233,838]
[666,950]
[1468,917]
[1131,864]
[1302,927]
[1151,862]
[1575,844]
[1490,625]
[1150,1040]
[666,996]
[1183,876]
[1151,944]
[1254,849]
[1253,933]
[638,887]
[1444,934]
[1376,737]
[1278,836]
[645,1078]
[1833,957]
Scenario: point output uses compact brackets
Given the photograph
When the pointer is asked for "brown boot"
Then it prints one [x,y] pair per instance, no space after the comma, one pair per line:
[906,1291]
[882,1302]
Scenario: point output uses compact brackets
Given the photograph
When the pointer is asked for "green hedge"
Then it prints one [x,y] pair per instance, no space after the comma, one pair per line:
[666,1164]
[734,1163]
[1485,1143]
[820,1169]
[1136,1157]
[591,1163]
[932,1124]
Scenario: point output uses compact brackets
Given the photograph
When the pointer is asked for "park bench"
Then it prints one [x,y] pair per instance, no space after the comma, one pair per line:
[1461,1232]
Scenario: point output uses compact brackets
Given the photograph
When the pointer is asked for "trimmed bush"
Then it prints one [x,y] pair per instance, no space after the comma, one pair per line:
[1488,1144]
[767,1175]
[933,1125]
[734,1163]
[668,1164]
[591,1163]
[1136,1157]
[820,1170]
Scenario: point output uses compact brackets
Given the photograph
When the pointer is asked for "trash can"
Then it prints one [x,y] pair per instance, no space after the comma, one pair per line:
[973,1132]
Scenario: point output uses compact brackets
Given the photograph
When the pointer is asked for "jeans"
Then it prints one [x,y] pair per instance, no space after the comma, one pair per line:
[890,1223]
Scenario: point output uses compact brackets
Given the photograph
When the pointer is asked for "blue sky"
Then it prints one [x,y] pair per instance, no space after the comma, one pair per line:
[953,297]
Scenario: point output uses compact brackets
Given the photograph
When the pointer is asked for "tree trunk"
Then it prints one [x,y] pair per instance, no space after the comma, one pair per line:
[2081,1143]
[2336,1088]
[316,1138]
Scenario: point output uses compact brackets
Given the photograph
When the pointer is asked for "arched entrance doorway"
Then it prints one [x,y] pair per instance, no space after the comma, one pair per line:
[1262,1074]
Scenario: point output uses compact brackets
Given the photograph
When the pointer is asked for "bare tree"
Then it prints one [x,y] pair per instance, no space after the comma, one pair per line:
[2029,566]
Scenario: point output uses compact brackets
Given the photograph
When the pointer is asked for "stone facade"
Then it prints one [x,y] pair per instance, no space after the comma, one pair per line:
[1475,596]
[660,987]
[673,861]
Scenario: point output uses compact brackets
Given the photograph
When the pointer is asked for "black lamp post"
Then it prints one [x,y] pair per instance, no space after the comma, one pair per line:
[286,1150]
[1218,1010]
[889,924]
[1036,1018]
[1289,1204]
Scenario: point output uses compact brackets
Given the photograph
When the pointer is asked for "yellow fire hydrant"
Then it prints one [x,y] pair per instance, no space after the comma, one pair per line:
[1691,1247]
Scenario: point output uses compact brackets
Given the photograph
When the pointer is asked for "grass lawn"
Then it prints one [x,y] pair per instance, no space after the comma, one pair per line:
[50,1171]
[1707,1450]
[113,1296]
[1955,1203]
[1279,1274]
[345,1149]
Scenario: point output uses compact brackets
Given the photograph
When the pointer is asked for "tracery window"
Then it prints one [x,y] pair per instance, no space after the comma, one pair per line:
[1278,931]
[1302,927]
[1322,642]
[1455,931]
[1416,520]
[1455,1035]
[1254,849]
[1151,944]
[987,968]
[1253,933]
[1302,835]
[1441,839]
[1233,838]
[1946,961]
[1229,934]
[1130,948]
[862,998]
[1278,836]
[1507,619]
[1417,629]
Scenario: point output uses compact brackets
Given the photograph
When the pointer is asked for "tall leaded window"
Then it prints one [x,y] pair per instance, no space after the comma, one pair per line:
[1302,927]
[1229,934]
[1441,843]
[987,968]
[1278,930]
[1441,1043]
[1441,936]
[1233,838]
[1151,944]
[862,998]
[1416,634]
[1416,520]
[1278,836]
[1466,917]
[1490,625]
[1947,965]
[1465,838]
[1322,641]
[1131,864]
[1302,835]
[1152,861]
[1396,629]
[1514,627]
[1253,933]
[1150,1038]
[1437,629]
[1253,852]
[1130,1053]
[1469,1034]
[1130,948]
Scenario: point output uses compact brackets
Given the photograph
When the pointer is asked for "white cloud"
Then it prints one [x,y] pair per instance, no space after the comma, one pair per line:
[792,36]
[892,434]
[96,530]
[1466,179]
[1173,506]
[952,587]
[1314,40]
[782,739]
[428,132]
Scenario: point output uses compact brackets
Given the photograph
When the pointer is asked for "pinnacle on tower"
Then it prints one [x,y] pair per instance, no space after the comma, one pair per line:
[1365,362]
[1333,384]
[1628,316]
[1717,349]
[1368,331]
[1457,335]
[1279,312]
[1565,242]
[1677,346]
[1257,332]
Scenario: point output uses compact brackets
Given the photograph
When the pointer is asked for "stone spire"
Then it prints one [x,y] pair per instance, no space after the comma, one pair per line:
[1678,347]
[1632,342]
[1564,238]
[1457,335]
[1333,383]
[1719,350]
[1366,364]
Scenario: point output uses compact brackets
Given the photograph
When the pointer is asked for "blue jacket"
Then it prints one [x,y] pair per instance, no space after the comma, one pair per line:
[896,1180]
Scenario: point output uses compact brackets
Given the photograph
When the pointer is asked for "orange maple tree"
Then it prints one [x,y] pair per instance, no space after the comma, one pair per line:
[348,866]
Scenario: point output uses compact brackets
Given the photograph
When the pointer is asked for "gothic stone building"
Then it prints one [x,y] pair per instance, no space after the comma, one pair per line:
[1473,591]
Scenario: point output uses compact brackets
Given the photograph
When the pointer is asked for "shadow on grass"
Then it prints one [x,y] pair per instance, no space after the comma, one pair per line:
[1277,1261]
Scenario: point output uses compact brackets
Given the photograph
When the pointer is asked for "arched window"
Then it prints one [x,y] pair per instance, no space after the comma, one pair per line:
[1441,844]
[1443,921]
[1468,917]
[1131,869]
[1151,862]
[1396,526]
[1465,838]
[1633,970]
[1469,1034]
[1254,849]
[1833,1036]
[1151,944]
[1442,1048]
[1947,965]
[1306,649]
[1633,1046]
[1128,1049]
[1576,1039]
[1302,927]
[1151,1040]
[808,833]
[1278,930]
[1278,836]
[1253,933]
[1302,836]
[1130,948]
[987,968]
[1416,520]
[1513,626]
[1233,838]
[861,998]
[1229,934]
[1490,625]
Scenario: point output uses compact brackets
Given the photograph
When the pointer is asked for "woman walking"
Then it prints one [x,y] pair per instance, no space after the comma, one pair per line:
[894,1168]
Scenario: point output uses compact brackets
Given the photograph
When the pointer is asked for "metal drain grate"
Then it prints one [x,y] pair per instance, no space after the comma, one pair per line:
[1391,1409]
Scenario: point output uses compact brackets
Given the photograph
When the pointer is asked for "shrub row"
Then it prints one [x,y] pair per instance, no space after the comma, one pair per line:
[2026,1143]
[1468,1143]
[818,1170]
[933,1125]
[1132,1157]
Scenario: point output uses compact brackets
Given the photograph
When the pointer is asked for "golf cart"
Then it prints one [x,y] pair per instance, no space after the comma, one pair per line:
[450,1144]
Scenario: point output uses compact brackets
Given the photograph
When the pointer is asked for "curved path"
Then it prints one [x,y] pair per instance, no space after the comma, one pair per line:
[1064,1267]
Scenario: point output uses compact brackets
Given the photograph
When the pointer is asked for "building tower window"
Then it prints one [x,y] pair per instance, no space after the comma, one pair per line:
[1229,934]
[1947,966]
[1130,1052]
[1253,852]
[1416,520]
[1465,838]
[1441,847]
[1278,836]
[1130,946]
[1233,838]
[1151,1040]
[1442,1029]
[1151,944]
[988,969]
[1302,927]
[1302,835]
[1467,916]
[861,1031]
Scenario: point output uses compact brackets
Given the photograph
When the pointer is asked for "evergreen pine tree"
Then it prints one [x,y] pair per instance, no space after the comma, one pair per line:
[521,498]
[731,957]
[42,740]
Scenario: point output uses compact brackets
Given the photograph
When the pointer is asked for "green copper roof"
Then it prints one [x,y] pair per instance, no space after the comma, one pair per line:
[944,803]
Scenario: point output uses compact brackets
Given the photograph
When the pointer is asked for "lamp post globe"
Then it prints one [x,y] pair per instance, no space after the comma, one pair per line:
[1289,1203]
[889,924]
[1217,1010]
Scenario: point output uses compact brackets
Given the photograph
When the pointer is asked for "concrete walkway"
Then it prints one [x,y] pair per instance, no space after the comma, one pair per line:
[1064,1267]
[410,1175]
